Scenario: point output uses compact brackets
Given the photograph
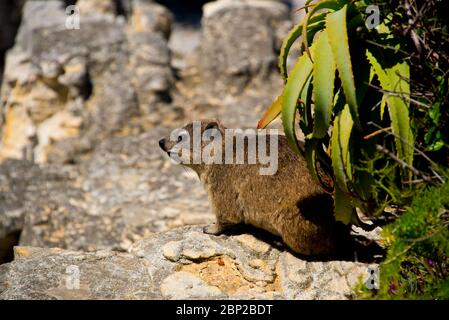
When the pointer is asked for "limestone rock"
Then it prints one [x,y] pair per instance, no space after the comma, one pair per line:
[67,89]
[87,7]
[152,77]
[240,43]
[232,272]
[184,285]
[125,192]
[319,280]
[48,72]
[149,17]
[46,274]
[123,81]
[28,195]
[22,183]
[39,109]
[240,271]
[130,176]
[148,31]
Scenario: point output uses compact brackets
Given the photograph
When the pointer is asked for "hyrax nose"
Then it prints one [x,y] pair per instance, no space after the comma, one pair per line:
[162,144]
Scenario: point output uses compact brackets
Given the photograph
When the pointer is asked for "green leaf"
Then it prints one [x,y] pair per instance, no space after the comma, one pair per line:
[378,70]
[321,5]
[293,88]
[315,25]
[393,80]
[434,139]
[313,29]
[323,85]
[341,134]
[435,112]
[285,48]
[338,39]
[430,135]
[437,145]
[343,208]
[399,113]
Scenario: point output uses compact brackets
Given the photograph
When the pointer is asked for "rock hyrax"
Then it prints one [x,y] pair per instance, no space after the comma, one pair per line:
[288,203]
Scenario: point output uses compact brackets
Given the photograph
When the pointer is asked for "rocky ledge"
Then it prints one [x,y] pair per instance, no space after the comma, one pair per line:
[182,263]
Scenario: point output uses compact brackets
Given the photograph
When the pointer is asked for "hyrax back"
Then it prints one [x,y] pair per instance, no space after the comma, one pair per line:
[288,203]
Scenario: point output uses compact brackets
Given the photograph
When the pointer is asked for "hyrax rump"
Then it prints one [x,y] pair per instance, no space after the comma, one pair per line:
[288,203]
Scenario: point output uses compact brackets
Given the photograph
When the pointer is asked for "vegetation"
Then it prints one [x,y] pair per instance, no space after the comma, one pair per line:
[417,262]
[372,102]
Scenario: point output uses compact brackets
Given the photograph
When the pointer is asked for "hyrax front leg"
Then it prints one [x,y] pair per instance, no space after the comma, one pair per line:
[223,203]
[216,228]
[225,221]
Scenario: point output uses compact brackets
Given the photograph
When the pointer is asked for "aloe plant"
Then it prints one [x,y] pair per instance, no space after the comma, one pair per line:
[343,81]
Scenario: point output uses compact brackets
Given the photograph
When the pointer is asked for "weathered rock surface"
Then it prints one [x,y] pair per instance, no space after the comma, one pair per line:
[23,186]
[126,191]
[183,263]
[150,17]
[232,75]
[240,42]
[66,89]
[104,275]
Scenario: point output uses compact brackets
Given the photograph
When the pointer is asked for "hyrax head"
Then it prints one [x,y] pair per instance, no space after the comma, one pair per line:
[196,144]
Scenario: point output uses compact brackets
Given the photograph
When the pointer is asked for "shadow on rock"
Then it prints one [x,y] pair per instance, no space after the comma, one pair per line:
[357,248]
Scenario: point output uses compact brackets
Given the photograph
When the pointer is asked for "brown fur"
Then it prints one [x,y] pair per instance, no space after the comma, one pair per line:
[289,204]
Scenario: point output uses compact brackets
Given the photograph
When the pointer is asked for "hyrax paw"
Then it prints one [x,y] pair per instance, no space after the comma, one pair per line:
[212,229]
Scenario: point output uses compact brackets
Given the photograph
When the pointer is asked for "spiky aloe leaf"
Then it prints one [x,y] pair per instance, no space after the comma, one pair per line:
[393,80]
[285,48]
[398,110]
[341,134]
[313,29]
[323,84]
[293,35]
[338,40]
[293,88]
[272,113]
[321,5]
